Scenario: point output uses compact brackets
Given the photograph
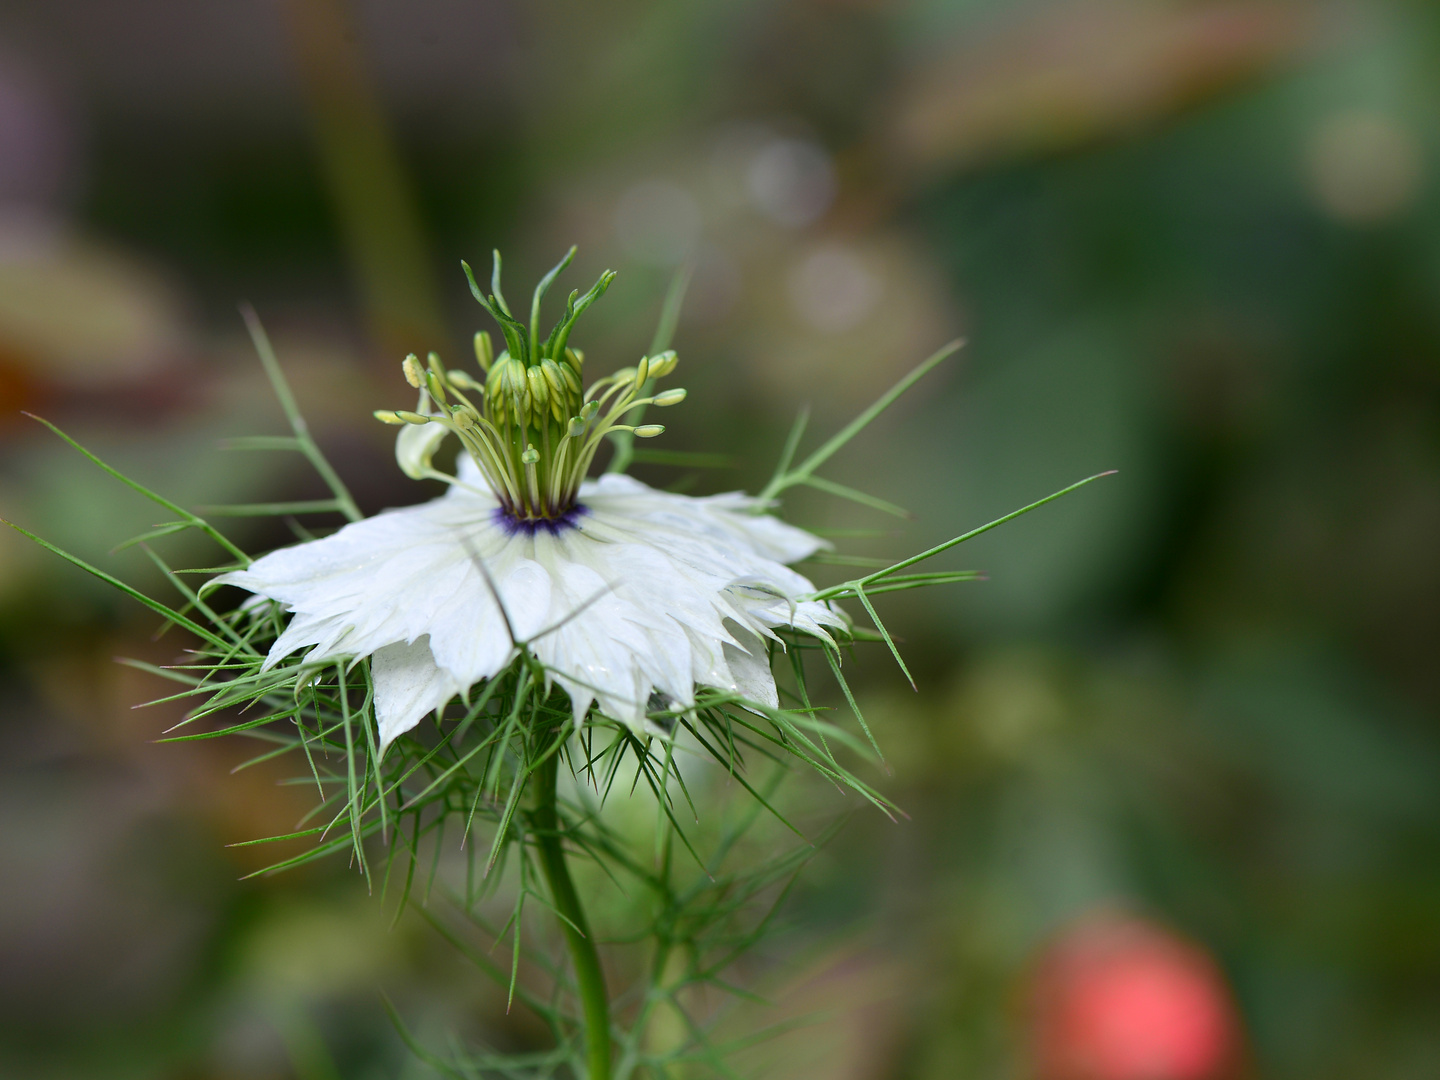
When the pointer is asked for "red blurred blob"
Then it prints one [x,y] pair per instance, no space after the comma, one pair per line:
[1118,998]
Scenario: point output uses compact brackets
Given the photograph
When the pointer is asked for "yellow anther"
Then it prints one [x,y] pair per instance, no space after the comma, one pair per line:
[553,376]
[664,364]
[507,375]
[649,431]
[642,372]
[386,416]
[539,391]
[670,397]
[576,428]
[461,381]
[484,350]
[436,385]
[414,373]
[576,358]
[408,417]
[507,391]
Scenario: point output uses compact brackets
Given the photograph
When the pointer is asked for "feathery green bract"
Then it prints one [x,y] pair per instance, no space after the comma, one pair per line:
[704,891]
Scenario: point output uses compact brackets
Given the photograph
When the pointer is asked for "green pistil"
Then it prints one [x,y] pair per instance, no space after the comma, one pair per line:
[528,427]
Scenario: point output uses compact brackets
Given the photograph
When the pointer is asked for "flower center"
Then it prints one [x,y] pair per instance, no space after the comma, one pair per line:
[516,526]
[528,427]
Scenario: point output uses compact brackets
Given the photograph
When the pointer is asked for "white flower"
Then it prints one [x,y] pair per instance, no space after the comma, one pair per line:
[618,590]
[631,592]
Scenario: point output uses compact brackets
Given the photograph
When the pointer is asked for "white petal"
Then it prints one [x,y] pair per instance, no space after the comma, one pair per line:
[750,667]
[526,592]
[379,580]
[415,445]
[648,591]
[408,684]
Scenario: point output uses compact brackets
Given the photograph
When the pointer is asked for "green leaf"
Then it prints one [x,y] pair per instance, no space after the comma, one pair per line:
[135,594]
[179,511]
[276,509]
[262,442]
[785,477]
[301,429]
[853,586]
[819,483]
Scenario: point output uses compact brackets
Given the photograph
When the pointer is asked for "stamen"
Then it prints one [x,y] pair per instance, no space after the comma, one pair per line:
[436,386]
[531,427]
[459,380]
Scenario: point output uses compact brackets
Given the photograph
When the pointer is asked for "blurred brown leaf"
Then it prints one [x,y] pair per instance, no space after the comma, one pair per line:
[1077,72]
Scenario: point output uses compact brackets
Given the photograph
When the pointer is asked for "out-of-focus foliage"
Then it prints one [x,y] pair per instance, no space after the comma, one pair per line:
[1195,241]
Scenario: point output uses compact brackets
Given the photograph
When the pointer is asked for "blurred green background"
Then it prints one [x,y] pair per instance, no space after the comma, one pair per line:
[1198,242]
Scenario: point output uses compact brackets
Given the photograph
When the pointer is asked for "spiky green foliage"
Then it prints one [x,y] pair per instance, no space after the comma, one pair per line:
[484,777]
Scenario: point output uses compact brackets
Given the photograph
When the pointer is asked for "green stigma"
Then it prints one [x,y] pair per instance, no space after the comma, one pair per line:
[527,424]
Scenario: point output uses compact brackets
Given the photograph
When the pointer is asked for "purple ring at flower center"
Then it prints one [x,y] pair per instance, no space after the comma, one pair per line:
[515,526]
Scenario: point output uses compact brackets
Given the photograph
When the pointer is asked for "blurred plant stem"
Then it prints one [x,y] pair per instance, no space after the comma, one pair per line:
[305,1043]
[589,978]
[372,196]
[624,441]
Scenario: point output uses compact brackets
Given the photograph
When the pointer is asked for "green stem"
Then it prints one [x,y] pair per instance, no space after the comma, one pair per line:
[588,976]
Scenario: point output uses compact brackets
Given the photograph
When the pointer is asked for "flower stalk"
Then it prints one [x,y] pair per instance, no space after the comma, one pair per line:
[589,978]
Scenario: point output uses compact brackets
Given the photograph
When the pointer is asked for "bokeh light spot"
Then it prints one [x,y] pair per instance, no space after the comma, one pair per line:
[833,290]
[791,181]
[657,221]
[1364,166]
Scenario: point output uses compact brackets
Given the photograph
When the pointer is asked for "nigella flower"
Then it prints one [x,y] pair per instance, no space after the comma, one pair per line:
[618,590]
